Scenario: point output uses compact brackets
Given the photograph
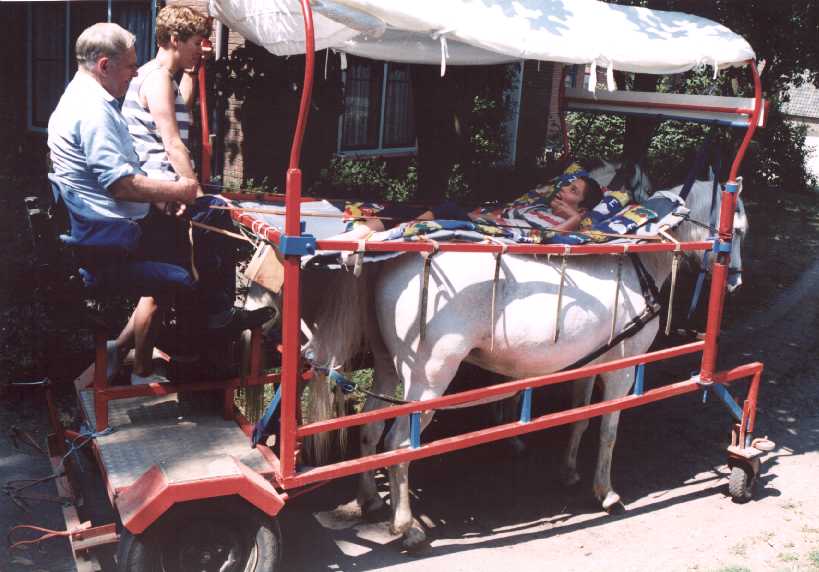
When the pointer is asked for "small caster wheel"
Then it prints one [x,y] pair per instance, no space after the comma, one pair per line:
[741,484]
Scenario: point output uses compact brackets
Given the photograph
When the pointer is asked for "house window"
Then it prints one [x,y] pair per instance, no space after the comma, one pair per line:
[378,114]
[53,31]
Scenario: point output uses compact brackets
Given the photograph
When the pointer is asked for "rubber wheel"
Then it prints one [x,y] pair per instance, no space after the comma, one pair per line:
[224,534]
[741,484]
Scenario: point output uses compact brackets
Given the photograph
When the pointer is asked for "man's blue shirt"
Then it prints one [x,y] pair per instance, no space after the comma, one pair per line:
[90,150]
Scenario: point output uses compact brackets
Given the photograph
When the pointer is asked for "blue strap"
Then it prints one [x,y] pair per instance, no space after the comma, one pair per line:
[698,286]
[269,424]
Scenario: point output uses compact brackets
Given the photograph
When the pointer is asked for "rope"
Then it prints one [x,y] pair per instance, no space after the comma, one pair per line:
[48,533]
[194,272]
[221,230]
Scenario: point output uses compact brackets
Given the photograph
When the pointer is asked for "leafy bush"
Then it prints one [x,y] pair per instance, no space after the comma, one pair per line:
[367,179]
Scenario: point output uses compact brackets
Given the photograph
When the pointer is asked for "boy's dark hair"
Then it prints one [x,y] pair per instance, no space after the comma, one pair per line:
[593,193]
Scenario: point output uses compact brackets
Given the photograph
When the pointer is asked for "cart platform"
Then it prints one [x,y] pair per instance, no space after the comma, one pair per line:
[151,430]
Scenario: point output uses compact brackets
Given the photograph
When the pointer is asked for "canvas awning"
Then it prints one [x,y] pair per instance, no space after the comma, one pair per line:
[479,32]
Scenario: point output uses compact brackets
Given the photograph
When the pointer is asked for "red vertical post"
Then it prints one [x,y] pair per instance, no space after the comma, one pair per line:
[291,313]
[719,275]
[207,148]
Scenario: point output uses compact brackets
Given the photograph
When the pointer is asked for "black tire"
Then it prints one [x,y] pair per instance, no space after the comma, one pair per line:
[741,484]
[226,534]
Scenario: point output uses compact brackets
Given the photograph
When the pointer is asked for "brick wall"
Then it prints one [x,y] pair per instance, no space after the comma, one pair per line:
[233,172]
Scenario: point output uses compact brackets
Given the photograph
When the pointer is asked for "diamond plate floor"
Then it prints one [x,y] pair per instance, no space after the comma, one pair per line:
[147,430]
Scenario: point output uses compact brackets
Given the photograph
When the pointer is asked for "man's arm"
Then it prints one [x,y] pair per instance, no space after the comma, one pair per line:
[141,189]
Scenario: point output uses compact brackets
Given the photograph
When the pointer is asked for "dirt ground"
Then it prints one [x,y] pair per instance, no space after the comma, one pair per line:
[487,510]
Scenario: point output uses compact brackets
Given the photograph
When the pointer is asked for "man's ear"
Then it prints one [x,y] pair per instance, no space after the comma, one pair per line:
[103,64]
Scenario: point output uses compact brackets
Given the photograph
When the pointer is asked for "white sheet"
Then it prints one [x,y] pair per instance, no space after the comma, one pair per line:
[480,32]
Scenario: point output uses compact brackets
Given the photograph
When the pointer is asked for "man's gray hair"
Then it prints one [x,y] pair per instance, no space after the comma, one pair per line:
[103,39]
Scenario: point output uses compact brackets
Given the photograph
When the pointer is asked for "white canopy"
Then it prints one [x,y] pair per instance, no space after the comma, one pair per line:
[478,32]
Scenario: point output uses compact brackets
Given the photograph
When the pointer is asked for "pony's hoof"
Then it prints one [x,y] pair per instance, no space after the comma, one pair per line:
[612,503]
[415,539]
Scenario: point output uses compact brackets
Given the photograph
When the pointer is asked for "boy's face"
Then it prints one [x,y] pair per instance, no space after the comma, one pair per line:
[190,51]
[573,193]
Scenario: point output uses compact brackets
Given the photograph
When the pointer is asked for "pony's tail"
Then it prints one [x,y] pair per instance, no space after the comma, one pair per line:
[338,336]
[317,449]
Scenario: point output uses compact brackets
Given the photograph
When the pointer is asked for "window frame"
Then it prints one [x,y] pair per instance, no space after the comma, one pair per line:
[380,150]
[30,126]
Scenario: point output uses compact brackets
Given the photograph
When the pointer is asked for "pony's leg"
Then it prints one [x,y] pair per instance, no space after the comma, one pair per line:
[581,395]
[385,382]
[616,384]
[427,381]
[505,411]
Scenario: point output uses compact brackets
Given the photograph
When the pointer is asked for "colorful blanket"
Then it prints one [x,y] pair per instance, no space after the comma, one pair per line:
[613,215]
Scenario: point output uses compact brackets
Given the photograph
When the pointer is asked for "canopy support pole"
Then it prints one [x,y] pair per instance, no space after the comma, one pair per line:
[719,276]
[291,315]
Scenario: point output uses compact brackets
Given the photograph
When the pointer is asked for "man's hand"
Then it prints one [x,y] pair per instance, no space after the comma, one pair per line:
[189,189]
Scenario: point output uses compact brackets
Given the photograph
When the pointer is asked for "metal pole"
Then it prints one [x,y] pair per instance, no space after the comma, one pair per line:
[291,314]
[719,277]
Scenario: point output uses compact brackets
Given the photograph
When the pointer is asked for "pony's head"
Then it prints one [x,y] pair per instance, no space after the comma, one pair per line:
[704,207]
[630,176]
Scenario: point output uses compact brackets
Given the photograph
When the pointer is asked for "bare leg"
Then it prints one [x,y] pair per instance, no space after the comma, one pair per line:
[144,323]
[360,230]
[581,395]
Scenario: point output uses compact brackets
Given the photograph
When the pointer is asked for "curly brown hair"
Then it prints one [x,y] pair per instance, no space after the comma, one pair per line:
[183,21]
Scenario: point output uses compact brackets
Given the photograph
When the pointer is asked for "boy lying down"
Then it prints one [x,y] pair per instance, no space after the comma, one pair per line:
[559,206]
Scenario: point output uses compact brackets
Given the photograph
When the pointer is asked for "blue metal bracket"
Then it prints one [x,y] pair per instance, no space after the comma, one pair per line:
[290,245]
[639,381]
[526,406]
[415,430]
[722,246]
[725,395]
[731,187]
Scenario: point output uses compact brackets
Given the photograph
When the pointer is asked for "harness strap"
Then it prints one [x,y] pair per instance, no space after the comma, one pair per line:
[563,262]
[494,298]
[712,227]
[422,309]
[675,264]
[616,295]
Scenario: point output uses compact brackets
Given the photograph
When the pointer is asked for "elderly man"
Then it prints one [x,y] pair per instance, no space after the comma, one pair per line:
[121,243]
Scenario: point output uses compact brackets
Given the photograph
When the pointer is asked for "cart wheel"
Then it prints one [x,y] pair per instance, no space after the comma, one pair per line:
[741,483]
[224,534]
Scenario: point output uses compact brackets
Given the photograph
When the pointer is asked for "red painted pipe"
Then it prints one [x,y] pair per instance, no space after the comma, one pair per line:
[719,276]
[291,313]
[207,148]
[487,435]
[495,390]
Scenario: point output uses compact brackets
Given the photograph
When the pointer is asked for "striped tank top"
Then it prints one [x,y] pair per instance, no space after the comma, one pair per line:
[148,143]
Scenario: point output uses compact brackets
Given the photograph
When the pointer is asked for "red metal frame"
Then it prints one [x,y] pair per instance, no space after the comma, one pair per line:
[144,501]
[291,365]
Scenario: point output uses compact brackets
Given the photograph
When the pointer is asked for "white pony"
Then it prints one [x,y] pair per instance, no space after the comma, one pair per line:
[381,310]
